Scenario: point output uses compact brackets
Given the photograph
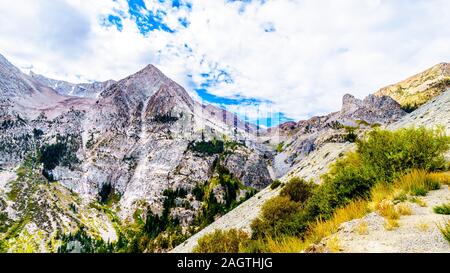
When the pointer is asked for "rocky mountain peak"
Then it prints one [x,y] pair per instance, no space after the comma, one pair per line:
[372,109]
[350,103]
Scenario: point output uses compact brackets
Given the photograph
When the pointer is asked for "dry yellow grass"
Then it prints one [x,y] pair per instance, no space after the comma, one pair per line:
[285,245]
[322,229]
[380,192]
[404,209]
[382,195]
[419,201]
[419,182]
[386,209]
[334,244]
[391,224]
[362,228]
[423,227]
[443,178]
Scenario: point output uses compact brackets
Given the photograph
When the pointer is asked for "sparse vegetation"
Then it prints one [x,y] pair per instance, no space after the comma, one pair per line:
[386,166]
[280,147]
[391,224]
[275,184]
[423,227]
[333,244]
[298,190]
[445,230]
[350,136]
[442,209]
[230,241]
[207,147]
[404,209]
[419,201]
[362,228]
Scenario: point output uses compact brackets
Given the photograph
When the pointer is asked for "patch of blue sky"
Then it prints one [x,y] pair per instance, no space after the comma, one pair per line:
[147,20]
[263,119]
[112,20]
[237,100]
[244,3]
[216,76]
[220,76]
[184,22]
[180,4]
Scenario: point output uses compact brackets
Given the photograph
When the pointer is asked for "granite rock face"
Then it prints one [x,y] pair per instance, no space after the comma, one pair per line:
[134,135]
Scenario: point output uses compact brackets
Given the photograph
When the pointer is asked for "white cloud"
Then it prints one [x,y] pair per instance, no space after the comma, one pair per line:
[318,51]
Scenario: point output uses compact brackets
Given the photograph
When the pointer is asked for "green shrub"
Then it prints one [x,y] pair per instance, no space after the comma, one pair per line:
[198,192]
[280,147]
[275,184]
[445,230]
[230,241]
[211,208]
[207,147]
[346,180]
[276,217]
[298,190]
[442,209]
[351,136]
[391,153]
[410,107]
[87,243]
[167,118]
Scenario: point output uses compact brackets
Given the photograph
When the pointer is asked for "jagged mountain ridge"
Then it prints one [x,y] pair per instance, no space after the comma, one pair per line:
[87,90]
[137,138]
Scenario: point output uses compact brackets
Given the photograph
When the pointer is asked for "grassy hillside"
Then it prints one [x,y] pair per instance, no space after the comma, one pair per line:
[386,165]
[418,89]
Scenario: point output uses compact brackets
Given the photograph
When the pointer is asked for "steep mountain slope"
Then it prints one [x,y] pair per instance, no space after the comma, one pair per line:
[22,95]
[143,146]
[433,113]
[88,90]
[419,88]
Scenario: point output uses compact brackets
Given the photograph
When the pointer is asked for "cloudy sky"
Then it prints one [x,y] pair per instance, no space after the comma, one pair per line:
[293,58]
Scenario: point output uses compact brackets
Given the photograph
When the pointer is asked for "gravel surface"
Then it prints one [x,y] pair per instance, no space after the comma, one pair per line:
[417,232]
